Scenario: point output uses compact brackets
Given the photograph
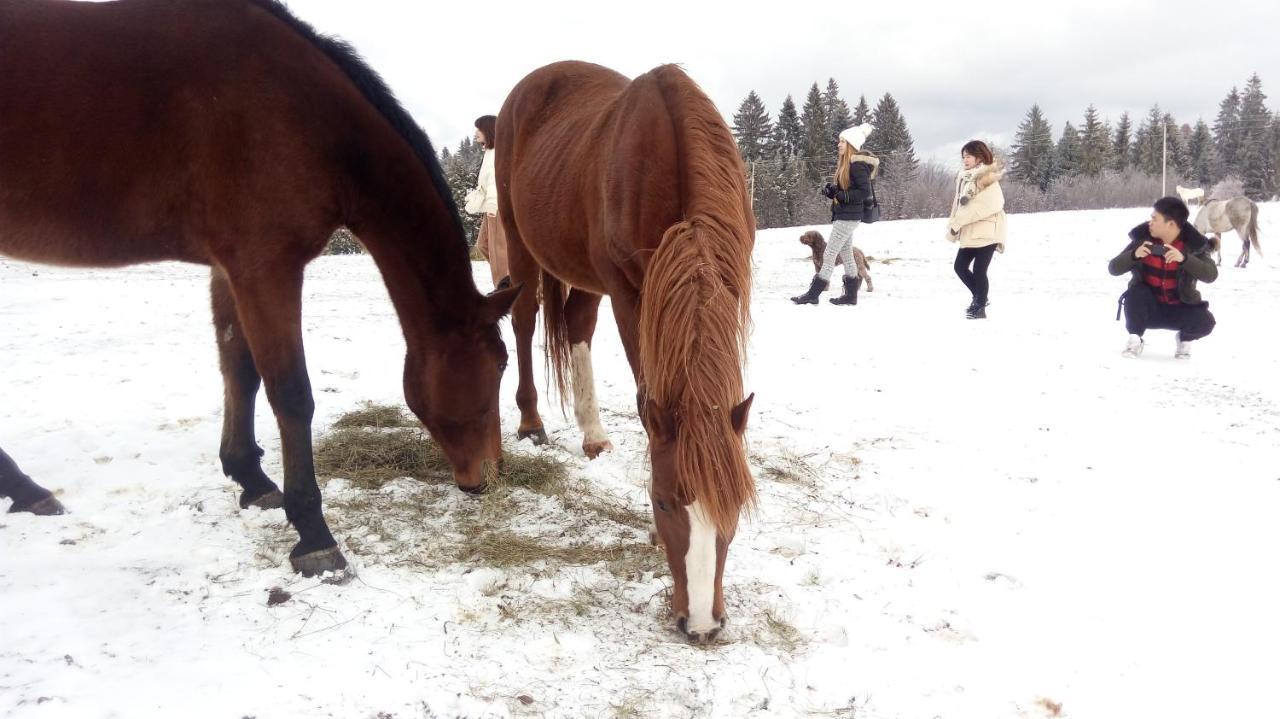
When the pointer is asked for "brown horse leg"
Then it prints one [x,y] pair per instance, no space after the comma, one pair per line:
[581,310]
[240,454]
[27,496]
[270,308]
[524,320]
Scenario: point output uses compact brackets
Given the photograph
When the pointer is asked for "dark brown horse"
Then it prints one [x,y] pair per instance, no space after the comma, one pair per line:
[228,133]
[635,189]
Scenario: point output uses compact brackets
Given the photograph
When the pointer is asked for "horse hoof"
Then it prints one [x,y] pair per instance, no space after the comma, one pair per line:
[47,507]
[271,500]
[595,449]
[319,562]
[537,436]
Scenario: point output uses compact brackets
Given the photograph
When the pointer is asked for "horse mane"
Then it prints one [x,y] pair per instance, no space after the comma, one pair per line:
[695,305]
[375,90]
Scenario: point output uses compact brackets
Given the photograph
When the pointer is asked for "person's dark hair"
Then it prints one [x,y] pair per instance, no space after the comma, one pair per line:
[979,149]
[487,124]
[1173,208]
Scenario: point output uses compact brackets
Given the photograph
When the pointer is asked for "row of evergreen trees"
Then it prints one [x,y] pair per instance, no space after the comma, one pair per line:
[789,157]
[1244,142]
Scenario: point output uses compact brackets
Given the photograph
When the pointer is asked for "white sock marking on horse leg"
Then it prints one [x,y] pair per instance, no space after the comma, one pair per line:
[700,570]
[585,407]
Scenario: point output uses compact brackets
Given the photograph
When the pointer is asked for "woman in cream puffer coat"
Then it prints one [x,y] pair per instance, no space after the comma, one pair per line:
[977,222]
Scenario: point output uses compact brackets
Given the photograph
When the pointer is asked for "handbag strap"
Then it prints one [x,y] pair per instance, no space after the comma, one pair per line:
[874,200]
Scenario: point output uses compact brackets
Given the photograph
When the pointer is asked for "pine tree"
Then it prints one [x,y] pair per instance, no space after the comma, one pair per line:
[1095,144]
[836,111]
[788,132]
[1256,154]
[751,128]
[814,120]
[461,170]
[1150,143]
[861,113]
[1033,151]
[1179,160]
[1069,152]
[1275,153]
[892,141]
[1120,150]
[1226,134]
[1200,155]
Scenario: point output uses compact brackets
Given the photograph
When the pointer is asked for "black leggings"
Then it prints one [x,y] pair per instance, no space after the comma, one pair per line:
[975,279]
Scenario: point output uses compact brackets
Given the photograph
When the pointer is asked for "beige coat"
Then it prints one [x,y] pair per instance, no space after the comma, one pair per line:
[483,199]
[981,220]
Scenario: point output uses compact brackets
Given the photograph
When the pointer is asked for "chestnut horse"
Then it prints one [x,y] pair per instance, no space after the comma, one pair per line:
[635,189]
[228,133]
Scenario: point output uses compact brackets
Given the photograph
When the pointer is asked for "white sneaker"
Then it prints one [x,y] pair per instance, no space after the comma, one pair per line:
[1184,349]
[1134,348]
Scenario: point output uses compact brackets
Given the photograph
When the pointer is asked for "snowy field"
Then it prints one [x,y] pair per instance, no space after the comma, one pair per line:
[998,518]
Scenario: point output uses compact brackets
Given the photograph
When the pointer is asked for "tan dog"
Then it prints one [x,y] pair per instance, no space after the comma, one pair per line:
[818,246]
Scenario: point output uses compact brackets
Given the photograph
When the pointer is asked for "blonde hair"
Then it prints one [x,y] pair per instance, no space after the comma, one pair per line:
[842,169]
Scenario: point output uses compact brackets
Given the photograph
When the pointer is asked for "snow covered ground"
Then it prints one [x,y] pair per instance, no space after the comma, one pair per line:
[958,518]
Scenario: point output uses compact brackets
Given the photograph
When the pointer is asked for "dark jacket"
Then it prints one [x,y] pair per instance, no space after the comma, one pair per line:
[1197,266]
[851,204]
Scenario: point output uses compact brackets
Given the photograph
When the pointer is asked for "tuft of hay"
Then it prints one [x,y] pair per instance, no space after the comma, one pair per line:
[377,416]
[625,560]
[787,467]
[370,458]
[379,443]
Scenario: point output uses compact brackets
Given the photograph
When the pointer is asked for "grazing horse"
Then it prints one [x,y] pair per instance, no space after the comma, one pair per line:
[635,189]
[1191,195]
[228,133]
[1239,214]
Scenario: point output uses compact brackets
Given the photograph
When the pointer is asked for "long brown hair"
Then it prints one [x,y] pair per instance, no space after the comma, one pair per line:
[487,125]
[842,170]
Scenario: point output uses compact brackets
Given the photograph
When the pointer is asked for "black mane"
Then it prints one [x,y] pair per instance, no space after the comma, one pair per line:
[375,90]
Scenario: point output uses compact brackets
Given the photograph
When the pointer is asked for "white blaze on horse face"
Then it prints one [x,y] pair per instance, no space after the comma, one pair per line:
[700,570]
[585,407]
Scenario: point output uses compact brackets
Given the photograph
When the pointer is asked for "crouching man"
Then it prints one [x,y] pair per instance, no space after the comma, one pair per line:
[1166,258]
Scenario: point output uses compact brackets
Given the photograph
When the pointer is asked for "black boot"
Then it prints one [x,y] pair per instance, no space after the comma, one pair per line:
[977,310]
[850,296]
[816,288]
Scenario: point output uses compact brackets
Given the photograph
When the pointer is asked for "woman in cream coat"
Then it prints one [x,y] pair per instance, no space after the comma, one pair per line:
[977,222]
[483,200]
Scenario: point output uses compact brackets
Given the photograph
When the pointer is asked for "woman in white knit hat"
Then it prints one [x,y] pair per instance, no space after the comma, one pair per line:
[851,197]
[977,222]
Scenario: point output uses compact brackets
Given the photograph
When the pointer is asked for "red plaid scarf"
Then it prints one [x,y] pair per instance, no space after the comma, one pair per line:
[1162,276]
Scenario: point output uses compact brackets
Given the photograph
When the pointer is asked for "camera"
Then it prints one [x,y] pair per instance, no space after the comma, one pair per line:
[1158,250]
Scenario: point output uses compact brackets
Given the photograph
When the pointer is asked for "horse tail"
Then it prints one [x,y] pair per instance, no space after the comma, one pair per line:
[555,326]
[1252,227]
[695,305]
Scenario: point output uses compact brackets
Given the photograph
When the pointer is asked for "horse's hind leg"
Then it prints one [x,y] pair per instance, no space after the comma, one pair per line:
[581,311]
[240,454]
[27,496]
[1244,251]
[269,304]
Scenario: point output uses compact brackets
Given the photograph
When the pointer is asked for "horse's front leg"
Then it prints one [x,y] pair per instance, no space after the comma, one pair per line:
[268,300]
[27,496]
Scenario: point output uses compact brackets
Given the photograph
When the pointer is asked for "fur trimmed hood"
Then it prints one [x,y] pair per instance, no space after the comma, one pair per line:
[984,176]
[869,159]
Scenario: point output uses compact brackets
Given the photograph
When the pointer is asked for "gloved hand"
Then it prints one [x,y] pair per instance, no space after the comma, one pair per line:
[964,200]
[829,190]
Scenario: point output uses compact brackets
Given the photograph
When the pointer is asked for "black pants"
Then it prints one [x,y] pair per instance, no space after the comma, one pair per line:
[975,279]
[1142,312]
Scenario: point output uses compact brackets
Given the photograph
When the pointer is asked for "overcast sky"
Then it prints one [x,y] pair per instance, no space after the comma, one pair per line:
[958,70]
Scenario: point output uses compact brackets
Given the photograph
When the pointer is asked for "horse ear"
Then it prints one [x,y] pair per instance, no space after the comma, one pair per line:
[738,417]
[660,422]
[496,306]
